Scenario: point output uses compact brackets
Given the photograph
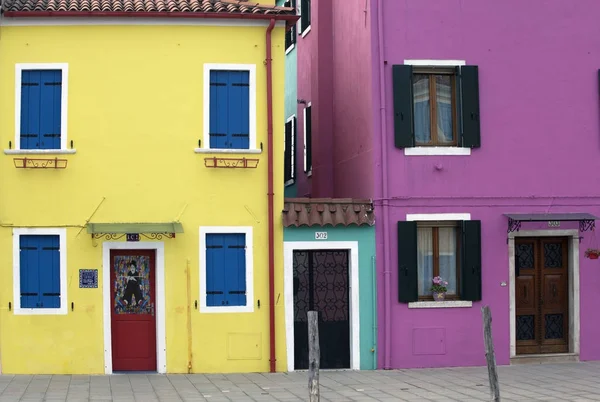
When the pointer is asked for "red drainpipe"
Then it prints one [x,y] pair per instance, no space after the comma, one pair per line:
[268,61]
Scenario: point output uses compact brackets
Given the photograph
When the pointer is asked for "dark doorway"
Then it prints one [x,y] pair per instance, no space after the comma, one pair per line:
[321,283]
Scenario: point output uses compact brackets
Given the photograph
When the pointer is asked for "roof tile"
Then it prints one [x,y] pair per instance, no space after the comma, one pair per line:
[328,211]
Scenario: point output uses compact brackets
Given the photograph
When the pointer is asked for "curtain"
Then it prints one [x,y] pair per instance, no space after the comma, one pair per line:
[421,106]
[425,260]
[443,90]
[447,250]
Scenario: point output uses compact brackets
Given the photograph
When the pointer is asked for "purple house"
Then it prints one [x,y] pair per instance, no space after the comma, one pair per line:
[475,128]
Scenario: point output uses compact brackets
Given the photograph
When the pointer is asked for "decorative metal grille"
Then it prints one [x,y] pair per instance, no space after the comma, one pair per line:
[525,327]
[525,255]
[554,326]
[553,255]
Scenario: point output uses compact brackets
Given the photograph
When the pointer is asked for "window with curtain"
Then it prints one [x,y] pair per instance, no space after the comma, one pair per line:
[438,254]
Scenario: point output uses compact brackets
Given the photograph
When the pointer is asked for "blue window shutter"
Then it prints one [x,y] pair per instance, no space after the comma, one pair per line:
[30,109]
[49,271]
[239,109]
[219,82]
[215,278]
[29,271]
[51,88]
[236,269]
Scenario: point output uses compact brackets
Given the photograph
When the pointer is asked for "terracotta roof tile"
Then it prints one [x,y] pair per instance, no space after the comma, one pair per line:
[171,6]
[327,211]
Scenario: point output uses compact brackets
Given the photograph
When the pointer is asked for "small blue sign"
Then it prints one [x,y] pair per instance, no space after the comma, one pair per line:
[88,278]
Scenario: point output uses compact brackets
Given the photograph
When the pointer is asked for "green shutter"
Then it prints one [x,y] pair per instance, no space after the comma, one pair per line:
[470,275]
[407,262]
[403,106]
[469,81]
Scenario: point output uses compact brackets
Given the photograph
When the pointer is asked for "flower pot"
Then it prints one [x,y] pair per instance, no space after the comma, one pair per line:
[439,296]
[593,256]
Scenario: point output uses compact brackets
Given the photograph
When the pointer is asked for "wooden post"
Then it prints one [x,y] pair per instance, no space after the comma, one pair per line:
[314,356]
[489,353]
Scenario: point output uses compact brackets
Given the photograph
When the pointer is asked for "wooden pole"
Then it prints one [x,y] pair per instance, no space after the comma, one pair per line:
[489,354]
[314,356]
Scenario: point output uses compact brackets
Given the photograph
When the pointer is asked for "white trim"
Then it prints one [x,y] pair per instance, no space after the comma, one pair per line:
[64,67]
[439,217]
[226,151]
[308,105]
[437,151]
[249,307]
[306,31]
[434,63]
[293,161]
[288,264]
[441,304]
[290,48]
[62,233]
[159,286]
[574,319]
[39,151]
[95,21]
[251,68]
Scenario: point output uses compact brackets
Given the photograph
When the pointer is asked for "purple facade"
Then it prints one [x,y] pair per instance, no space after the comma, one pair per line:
[539,152]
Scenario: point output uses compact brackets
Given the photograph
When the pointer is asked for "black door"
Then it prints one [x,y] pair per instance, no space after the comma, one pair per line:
[321,284]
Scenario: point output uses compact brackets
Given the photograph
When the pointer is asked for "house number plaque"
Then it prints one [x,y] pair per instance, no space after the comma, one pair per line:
[553,224]
[320,235]
[133,237]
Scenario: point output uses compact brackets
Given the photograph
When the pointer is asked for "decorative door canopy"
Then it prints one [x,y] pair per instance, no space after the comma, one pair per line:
[153,231]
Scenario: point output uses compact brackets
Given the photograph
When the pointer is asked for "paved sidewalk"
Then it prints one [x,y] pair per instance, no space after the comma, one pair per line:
[557,382]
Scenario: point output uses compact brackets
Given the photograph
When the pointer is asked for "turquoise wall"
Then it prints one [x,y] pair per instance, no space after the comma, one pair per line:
[365,235]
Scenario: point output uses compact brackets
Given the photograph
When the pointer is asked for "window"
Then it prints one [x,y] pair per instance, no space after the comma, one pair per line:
[436,106]
[449,249]
[39,271]
[305,9]
[290,34]
[230,107]
[41,115]
[308,139]
[226,269]
[289,166]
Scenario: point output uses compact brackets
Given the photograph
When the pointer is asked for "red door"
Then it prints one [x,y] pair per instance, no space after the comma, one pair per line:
[133,322]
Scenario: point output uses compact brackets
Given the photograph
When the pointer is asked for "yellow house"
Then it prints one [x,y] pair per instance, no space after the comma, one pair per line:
[141,186]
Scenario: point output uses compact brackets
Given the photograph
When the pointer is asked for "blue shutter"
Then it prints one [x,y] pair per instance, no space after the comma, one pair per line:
[219,81]
[29,271]
[51,89]
[236,269]
[215,278]
[49,271]
[229,109]
[30,109]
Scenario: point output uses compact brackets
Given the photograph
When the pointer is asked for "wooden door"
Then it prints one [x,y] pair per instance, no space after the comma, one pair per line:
[133,322]
[542,295]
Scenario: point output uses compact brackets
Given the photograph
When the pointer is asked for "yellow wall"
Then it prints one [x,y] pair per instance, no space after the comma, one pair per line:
[135,114]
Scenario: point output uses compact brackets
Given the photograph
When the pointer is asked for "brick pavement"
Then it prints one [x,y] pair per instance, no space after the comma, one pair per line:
[546,382]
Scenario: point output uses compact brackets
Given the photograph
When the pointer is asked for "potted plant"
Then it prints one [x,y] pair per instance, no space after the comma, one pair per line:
[439,288]
[592,253]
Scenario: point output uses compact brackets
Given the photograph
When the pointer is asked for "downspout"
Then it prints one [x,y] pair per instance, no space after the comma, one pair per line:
[270,198]
[387,293]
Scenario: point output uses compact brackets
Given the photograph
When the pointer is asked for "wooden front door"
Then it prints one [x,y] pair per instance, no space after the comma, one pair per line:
[542,295]
[133,323]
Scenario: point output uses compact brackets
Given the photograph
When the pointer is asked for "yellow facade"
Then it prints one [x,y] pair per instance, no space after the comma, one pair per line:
[135,115]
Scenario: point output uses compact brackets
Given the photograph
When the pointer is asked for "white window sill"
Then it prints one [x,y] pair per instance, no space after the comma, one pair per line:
[289,49]
[227,151]
[306,31]
[40,311]
[309,173]
[440,151]
[230,309]
[38,151]
[441,304]
[289,182]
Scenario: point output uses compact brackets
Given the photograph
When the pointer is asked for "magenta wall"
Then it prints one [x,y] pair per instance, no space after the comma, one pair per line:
[540,152]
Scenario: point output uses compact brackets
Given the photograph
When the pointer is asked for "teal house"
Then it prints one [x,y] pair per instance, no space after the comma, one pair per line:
[329,267]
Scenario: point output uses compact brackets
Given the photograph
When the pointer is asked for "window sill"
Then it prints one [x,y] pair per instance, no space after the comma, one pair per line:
[441,304]
[439,151]
[306,31]
[226,309]
[309,173]
[40,311]
[289,182]
[39,151]
[289,49]
[227,151]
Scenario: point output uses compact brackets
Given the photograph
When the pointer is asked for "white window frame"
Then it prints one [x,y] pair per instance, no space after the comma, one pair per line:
[19,68]
[17,233]
[436,151]
[293,167]
[251,68]
[307,30]
[308,105]
[249,307]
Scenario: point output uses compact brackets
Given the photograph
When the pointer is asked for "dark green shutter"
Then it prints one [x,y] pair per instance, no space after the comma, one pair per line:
[403,106]
[308,145]
[470,276]
[287,153]
[469,81]
[304,15]
[407,262]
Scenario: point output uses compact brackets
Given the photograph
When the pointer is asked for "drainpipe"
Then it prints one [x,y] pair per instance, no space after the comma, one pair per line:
[268,62]
[387,293]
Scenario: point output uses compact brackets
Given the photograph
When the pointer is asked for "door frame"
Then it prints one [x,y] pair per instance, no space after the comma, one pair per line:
[159,288]
[573,278]
[288,260]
